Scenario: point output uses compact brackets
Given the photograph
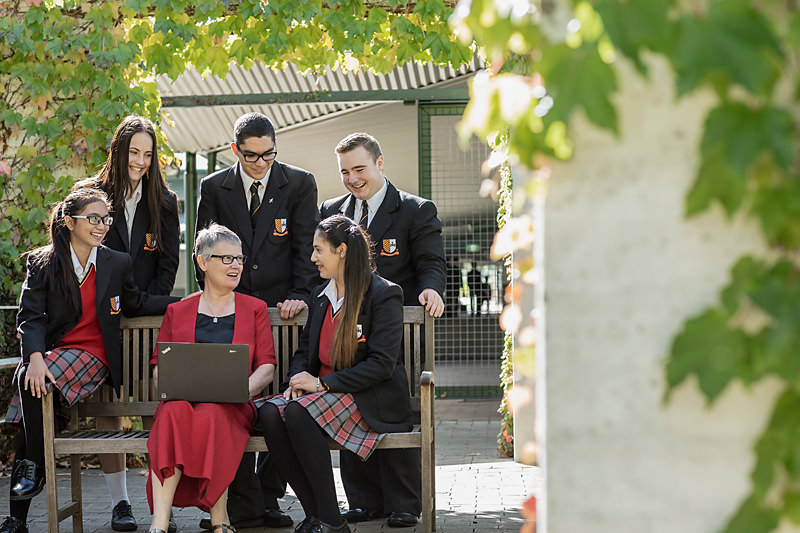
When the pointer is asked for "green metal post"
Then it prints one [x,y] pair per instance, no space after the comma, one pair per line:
[190,207]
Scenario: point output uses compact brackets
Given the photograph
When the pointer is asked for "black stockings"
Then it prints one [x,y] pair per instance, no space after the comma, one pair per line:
[303,458]
[30,440]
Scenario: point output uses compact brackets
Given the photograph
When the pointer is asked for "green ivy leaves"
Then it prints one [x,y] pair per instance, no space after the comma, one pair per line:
[743,147]
[732,43]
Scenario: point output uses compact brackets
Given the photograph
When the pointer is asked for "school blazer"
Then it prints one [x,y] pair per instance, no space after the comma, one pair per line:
[251,326]
[377,378]
[279,249]
[407,240]
[155,264]
[44,315]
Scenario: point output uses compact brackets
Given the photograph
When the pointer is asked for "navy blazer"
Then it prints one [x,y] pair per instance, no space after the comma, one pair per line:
[45,316]
[407,240]
[155,264]
[279,249]
[377,378]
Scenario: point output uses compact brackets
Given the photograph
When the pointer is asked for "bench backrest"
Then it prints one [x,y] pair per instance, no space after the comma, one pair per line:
[139,336]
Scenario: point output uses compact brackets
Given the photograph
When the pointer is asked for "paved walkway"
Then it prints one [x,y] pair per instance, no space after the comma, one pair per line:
[476,491]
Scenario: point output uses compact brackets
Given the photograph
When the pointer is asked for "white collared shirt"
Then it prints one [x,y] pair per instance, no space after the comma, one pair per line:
[373,204]
[130,207]
[81,271]
[247,181]
[330,292]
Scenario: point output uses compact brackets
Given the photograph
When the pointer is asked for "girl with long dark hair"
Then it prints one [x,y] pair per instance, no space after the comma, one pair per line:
[145,227]
[346,379]
[145,209]
[68,321]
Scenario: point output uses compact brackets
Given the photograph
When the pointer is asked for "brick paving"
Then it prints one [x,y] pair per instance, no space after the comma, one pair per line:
[476,491]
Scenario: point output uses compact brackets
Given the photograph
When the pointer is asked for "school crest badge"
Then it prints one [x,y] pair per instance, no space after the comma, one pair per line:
[280,227]
[150,244]
[115,307]
[360,334]
[389,247]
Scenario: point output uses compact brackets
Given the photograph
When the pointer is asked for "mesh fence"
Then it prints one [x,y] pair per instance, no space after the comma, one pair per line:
[469,341]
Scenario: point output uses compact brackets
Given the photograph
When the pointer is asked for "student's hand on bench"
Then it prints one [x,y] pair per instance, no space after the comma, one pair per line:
[432,301]
[290,308]
[37,374]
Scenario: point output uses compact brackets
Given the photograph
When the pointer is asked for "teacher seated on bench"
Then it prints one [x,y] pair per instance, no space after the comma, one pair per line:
[195,448]
[346,379]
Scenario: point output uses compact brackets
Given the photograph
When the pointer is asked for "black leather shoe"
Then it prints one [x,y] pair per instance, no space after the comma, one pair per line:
[277,518]
[361,515]
[306,525]
[401,520]
[27,479]
[322,527]
[205,523]
[12,525]
[122,517]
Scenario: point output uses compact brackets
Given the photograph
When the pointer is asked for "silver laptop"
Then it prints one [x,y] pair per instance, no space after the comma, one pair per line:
[201,372]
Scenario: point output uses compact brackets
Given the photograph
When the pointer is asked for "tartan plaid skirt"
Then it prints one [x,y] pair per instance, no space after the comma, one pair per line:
[77,373]
[337,414]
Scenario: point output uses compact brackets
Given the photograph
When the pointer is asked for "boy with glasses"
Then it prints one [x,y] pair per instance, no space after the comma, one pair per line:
[272,207]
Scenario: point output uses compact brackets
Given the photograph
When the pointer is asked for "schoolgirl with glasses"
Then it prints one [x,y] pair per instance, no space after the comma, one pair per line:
[70,307]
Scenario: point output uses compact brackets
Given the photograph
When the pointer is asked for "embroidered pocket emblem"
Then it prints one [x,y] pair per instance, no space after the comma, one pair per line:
[150,244]
[280,227]
[359,334]
[115,308]
[389,247]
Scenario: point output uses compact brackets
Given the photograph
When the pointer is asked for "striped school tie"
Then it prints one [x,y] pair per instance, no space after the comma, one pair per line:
[364,215]
[255,203]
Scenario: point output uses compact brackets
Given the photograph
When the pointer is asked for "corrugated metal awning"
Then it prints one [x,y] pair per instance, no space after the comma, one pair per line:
[209,128]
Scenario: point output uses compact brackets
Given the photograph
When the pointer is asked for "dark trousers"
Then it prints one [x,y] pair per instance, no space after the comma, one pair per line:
[390,481]
[250,494]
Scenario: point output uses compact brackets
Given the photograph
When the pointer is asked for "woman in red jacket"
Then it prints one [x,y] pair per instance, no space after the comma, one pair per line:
[195,448]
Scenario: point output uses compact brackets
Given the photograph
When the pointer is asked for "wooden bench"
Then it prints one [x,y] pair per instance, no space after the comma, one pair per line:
[138,399]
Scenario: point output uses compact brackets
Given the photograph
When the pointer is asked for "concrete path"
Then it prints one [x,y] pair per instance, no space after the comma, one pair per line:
[476,491]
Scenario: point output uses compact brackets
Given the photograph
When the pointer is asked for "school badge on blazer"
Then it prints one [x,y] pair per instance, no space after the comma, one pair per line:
[359,334]
[280,227]
[389,247]
[150,244]
[115,307]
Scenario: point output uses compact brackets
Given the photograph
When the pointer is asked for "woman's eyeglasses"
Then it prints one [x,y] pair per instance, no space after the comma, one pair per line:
[228,259]
[95,220]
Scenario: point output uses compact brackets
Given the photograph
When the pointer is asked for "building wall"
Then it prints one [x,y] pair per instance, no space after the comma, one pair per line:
[624,270]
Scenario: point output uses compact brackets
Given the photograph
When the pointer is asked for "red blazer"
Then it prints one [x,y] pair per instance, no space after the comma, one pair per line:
[250,327]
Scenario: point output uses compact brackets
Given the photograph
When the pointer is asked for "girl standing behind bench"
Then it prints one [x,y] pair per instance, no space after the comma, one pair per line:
[346,380]
[145,227]
[69,316]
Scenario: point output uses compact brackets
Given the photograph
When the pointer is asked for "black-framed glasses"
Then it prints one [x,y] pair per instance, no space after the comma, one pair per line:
[251,157]
[95,220]
[228,259]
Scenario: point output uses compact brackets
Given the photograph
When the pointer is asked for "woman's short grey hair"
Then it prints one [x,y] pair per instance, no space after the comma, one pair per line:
[209,237]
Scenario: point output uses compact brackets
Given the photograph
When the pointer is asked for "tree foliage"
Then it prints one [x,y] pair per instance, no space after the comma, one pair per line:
[71,70]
